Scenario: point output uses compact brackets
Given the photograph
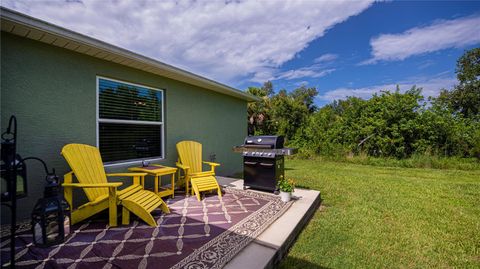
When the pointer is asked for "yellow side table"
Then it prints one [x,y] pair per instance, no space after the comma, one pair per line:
[158,171]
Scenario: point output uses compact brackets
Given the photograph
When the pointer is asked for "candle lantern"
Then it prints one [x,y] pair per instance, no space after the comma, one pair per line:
[50,216]
[13,170]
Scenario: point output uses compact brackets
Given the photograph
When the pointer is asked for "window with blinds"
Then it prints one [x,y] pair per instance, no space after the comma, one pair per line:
[130,121]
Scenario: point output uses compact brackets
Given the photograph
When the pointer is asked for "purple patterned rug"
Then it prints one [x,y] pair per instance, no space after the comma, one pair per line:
[195,234]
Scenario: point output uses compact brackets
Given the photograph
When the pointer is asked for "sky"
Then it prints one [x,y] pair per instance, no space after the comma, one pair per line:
[342,48]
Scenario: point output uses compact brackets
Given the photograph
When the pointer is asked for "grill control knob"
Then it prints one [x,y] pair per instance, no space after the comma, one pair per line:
[270,154]
[261,153]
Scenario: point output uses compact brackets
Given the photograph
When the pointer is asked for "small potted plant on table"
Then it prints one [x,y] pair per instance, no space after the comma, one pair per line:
[286,187]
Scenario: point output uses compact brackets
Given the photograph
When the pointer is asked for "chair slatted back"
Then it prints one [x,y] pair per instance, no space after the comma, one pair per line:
[87,165]
[190,154]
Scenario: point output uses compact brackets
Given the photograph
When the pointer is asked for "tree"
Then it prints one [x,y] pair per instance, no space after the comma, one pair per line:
[259,120]
[305,96]
[389,124]
[291,110]
[468,67]
[283,113]
[465,97]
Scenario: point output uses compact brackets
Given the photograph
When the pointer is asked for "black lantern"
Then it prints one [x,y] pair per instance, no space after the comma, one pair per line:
[12,168]
[19,174]
[50,216]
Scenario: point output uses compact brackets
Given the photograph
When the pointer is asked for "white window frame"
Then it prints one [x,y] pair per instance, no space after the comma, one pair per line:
[98,121]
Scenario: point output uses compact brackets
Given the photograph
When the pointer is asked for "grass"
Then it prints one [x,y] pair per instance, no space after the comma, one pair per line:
[415,161]
[387,217]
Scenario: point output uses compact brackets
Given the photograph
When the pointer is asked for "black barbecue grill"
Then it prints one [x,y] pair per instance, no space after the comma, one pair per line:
[263,161]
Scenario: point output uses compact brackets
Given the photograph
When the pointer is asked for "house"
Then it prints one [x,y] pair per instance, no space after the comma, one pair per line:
[65,87]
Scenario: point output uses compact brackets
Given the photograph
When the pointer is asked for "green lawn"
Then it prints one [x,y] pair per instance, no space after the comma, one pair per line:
[387,217]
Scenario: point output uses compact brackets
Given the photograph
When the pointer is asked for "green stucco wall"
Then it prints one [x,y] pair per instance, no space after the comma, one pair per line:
[52,92]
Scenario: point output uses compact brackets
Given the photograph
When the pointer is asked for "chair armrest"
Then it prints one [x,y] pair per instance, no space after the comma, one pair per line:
[136,174]
[112,194]
[212,166]
[184,167]
[212,163]
[94,185]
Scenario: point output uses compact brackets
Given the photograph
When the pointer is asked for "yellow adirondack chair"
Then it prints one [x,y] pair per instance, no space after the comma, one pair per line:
[87,166]
[190,161]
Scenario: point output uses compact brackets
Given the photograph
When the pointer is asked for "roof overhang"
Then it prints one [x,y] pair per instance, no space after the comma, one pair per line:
[22,25]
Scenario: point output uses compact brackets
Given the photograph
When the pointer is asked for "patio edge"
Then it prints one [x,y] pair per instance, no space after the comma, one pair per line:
[283,250]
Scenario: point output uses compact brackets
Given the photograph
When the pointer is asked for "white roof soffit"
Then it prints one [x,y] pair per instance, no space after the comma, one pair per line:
[29,27]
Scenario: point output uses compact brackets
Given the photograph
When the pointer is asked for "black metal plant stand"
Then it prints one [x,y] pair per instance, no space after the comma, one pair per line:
[13,166]
[9,173]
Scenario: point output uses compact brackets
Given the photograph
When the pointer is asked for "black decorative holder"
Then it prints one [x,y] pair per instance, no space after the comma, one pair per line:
[9,170]
[13,168]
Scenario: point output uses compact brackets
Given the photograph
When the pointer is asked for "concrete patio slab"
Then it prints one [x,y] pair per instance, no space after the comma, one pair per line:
[272,245]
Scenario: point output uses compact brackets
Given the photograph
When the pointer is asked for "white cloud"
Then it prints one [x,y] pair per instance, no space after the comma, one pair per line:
[305,72]
[222,40]
[426,64]
[440,35]
[301,83]
[326,58]
[271,74]
[430,87]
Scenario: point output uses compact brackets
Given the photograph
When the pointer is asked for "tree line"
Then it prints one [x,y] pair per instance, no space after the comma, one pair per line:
[389,124]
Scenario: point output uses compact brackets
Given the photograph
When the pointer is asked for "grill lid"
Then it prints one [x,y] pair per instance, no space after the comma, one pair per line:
[266,146]
[264,142]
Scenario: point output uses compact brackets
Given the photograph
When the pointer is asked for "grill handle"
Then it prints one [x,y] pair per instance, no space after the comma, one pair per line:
[267,164]
[250,163]
[253,146]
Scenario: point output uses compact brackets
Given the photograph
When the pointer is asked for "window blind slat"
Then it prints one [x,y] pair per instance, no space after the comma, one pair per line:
[139,139]
[127,102]
[129,141]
